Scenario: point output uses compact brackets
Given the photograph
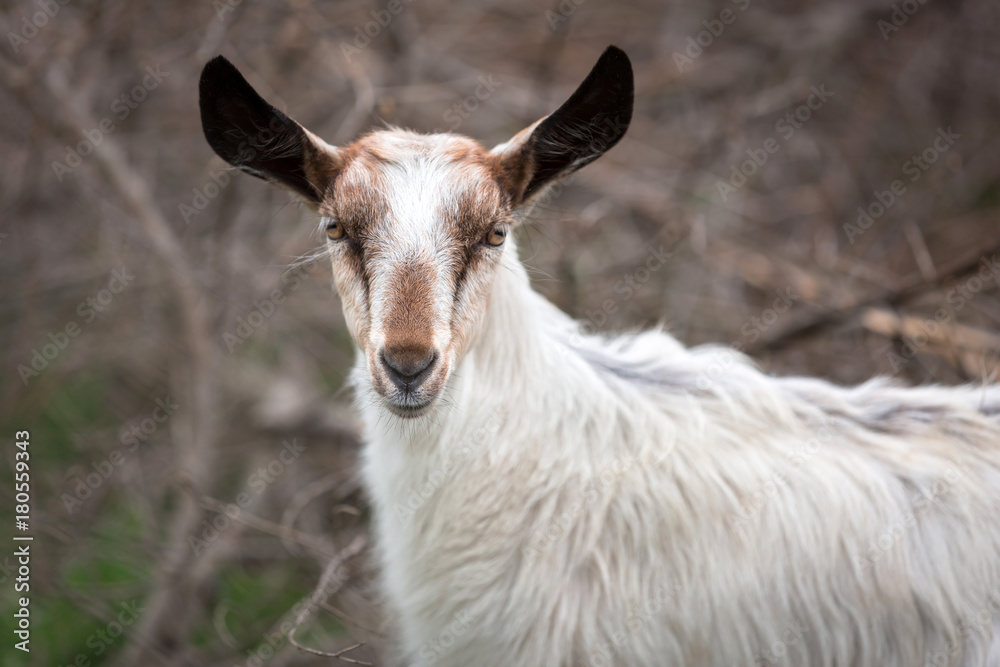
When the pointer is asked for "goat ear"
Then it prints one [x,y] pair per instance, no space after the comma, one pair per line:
[247,132]
[589,123]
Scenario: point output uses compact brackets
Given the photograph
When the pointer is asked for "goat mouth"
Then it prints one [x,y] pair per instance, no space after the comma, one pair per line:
[408,411]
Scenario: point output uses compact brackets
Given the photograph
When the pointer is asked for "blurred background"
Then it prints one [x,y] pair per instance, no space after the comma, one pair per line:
[822,179]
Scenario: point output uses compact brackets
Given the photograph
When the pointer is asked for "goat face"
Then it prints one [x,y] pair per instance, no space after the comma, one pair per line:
[416,227]
[415,224]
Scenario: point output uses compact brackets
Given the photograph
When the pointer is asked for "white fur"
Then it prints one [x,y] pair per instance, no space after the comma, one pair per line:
[415,189]
[579,501]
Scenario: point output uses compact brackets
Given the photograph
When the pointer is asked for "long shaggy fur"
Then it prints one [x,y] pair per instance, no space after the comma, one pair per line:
[547,498]
[585,501]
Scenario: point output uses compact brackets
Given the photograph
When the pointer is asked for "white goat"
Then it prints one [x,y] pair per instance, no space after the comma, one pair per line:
[548,498]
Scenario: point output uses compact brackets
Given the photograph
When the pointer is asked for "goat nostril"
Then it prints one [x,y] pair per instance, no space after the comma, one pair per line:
[408,367]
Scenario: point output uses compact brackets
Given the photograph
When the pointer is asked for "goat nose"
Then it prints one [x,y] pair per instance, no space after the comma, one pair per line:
[408,365]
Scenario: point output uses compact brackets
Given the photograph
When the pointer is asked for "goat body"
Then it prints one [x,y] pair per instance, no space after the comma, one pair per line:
[582,501]
[549,498]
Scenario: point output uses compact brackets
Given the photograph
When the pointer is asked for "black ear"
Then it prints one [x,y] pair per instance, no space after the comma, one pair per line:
[589,123]
[249,133]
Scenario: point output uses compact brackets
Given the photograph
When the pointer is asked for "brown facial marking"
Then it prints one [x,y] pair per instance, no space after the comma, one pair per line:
[359,201]
[476,210]
[408,321]
[355,200]
[474,200]
[494,177]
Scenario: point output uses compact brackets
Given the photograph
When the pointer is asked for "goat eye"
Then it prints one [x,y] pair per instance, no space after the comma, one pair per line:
[495,236]
[335,231]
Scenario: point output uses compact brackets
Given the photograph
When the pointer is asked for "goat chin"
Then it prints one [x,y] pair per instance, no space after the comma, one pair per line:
[574,500]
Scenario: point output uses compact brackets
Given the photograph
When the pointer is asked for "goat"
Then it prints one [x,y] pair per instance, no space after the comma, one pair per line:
[546,497]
